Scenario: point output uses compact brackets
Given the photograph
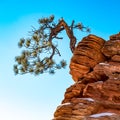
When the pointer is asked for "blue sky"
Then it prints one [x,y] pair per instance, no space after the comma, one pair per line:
[29,97]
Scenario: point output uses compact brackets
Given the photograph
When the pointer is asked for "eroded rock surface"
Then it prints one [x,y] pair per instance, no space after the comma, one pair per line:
[87,54]
[95,68]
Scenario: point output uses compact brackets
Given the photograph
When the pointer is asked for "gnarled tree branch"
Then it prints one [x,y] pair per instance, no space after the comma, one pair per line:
[61,26]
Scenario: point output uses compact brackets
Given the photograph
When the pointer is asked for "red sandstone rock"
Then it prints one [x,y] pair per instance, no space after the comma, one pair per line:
[88,54]
[96,55]
[80,70]
[93,98]
[110,69]
[116,58]
[111,48]
[115,36]
[75,90]
[96,93]
[94,38]
[83,60]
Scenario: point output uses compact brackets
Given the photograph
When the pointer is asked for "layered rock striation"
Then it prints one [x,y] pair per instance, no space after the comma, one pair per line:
[86,55]
[95,68]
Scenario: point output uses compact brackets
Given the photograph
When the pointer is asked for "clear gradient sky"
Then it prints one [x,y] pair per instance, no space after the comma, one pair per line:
[29,97]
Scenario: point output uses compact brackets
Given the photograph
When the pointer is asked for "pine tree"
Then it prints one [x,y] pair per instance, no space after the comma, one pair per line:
[40,49]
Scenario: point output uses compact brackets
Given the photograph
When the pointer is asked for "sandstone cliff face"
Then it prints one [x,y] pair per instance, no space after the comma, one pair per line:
[95,68]
[86,55]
